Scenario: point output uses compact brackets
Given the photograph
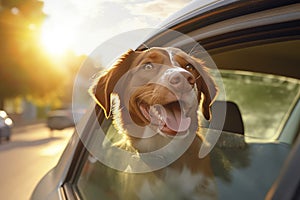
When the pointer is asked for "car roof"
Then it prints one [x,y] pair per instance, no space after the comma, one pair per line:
[223,8]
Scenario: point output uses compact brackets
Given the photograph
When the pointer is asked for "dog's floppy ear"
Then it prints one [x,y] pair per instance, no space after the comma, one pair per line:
[207,86]
[104,85]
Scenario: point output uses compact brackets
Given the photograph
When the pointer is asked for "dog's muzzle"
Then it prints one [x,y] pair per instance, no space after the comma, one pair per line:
[168,106]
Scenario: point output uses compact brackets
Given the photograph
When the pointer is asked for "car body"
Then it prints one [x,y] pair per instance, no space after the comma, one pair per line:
[6,124]
[255,46]
[62,118]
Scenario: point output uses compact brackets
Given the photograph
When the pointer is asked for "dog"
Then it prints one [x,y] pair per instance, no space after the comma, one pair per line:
[155,98]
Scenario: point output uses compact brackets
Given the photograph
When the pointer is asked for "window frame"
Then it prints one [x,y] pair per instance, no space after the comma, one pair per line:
[68,187]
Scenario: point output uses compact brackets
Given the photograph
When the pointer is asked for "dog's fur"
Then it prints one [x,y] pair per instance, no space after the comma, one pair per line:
[139,82]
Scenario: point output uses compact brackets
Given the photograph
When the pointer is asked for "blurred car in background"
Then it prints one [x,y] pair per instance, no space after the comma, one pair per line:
[64,117]
[6,124]
[60,119]
[255,45]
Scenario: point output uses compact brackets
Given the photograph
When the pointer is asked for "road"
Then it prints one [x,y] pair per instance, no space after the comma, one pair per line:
[30,154]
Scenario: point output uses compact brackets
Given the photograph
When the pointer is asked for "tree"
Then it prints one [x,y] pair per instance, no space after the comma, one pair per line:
[24,67]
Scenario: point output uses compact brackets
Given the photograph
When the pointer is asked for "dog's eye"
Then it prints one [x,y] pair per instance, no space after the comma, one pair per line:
[189,67]
[148,66]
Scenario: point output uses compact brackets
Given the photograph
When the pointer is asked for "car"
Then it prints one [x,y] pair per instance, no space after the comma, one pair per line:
[6,124]
[63,118]
[60,119]
[252,48]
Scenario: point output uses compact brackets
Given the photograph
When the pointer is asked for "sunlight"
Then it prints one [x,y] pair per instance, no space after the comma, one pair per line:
[57,38]
[53,149]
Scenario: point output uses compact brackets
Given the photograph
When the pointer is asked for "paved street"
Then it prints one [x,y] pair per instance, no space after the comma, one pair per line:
[31,153]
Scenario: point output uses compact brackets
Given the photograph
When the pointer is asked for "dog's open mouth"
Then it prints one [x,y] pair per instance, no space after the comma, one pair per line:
[170,118]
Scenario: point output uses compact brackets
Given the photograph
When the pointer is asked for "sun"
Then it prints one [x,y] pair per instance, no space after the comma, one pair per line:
[57,38]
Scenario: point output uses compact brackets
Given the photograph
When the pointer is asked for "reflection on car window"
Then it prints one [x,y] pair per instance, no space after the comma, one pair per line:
[264,100]
[231,166]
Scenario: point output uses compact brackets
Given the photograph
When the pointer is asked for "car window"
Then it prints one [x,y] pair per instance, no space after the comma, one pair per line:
[238,167]
[256,94]
[259,94]
[264,99]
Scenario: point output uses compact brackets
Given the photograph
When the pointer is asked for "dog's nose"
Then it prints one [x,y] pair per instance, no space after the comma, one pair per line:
[182,80]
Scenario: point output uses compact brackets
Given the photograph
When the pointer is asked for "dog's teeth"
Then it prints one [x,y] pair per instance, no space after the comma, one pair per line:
[156,113]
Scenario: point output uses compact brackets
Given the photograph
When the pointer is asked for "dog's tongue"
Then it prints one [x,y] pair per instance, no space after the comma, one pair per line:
[170,118]
[175,119]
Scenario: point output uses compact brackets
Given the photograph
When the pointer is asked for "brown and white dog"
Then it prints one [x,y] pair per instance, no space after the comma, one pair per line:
[159,93]
[159,85]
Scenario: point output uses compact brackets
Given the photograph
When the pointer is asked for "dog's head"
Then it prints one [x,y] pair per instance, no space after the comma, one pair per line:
[158,86]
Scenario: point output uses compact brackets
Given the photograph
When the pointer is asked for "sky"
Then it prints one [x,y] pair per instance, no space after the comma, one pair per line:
[81,26]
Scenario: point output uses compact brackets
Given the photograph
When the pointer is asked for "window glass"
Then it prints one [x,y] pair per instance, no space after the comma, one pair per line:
[264,101]
[231,158]
[235,166]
